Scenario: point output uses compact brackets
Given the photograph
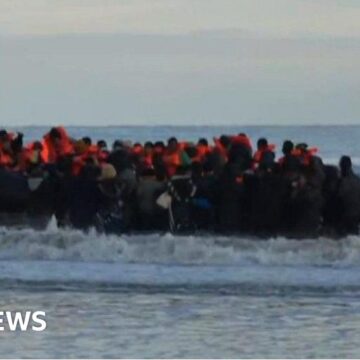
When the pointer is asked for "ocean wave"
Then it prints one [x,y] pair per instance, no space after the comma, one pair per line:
[73,245]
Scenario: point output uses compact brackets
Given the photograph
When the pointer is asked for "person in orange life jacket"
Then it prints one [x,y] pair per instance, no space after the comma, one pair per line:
[193,153]
[157,158]
[31,158]
[92,150]
[136,152]
[102,145]
[56,144]
[240,155]
[289,162]
[11,145]
[287,150]
[103,153]
[262,147]
[304,153]
[203,149]
[222,146]
[16,142]
[159,147]
[137,149]
[182,145]
[117,145]
[80,155]
[174,157]
[243,139]
[7,156]
[267,163]
[147,156]
[87,141]
[85,150]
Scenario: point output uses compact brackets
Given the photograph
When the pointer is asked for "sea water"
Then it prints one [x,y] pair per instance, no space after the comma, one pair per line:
[161,295]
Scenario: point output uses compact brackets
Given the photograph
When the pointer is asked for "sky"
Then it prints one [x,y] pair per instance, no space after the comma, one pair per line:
[179,62]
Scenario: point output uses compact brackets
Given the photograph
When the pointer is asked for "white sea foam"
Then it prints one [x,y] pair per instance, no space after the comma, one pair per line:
[73,245]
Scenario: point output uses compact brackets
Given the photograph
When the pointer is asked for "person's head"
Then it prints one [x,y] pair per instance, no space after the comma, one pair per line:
[37,146]
[345,165]
[191,151]
[3,136]
[302,147]
[159,147]
[137,148]
[16,143]
[288,147]
[148,148]
[80,147]
[225,141]
[108,172]
[117,145]
[55,136]
[87,140]
[267,161]
[203,142]
[102,145]
[172,144]
[262,144]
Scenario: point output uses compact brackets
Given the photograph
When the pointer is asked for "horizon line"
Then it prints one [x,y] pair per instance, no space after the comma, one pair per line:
[180,125]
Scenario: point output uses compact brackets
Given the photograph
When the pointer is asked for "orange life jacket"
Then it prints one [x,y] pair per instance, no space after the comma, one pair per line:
[158,150]
[51,154]
[305,156]
[221,148]
[77,165]
[30,156]
[172,162]
[5,159]
[183,145]
[137,149]
[202,151]
[242,139]
[147,161]
[103,155]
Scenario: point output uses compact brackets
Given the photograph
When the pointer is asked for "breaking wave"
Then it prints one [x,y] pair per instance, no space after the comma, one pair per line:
[167,249]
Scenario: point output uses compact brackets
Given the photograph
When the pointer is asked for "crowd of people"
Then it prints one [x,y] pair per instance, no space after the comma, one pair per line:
[225,186]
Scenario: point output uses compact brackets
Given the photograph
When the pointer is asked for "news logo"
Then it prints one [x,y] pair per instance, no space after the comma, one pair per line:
[23,321]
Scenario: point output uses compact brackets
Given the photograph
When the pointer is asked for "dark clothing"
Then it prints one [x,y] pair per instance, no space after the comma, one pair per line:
[304,209]
[349,197]
[150,215]
[85,201]
[231,210]
[267,204]
[182,190]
